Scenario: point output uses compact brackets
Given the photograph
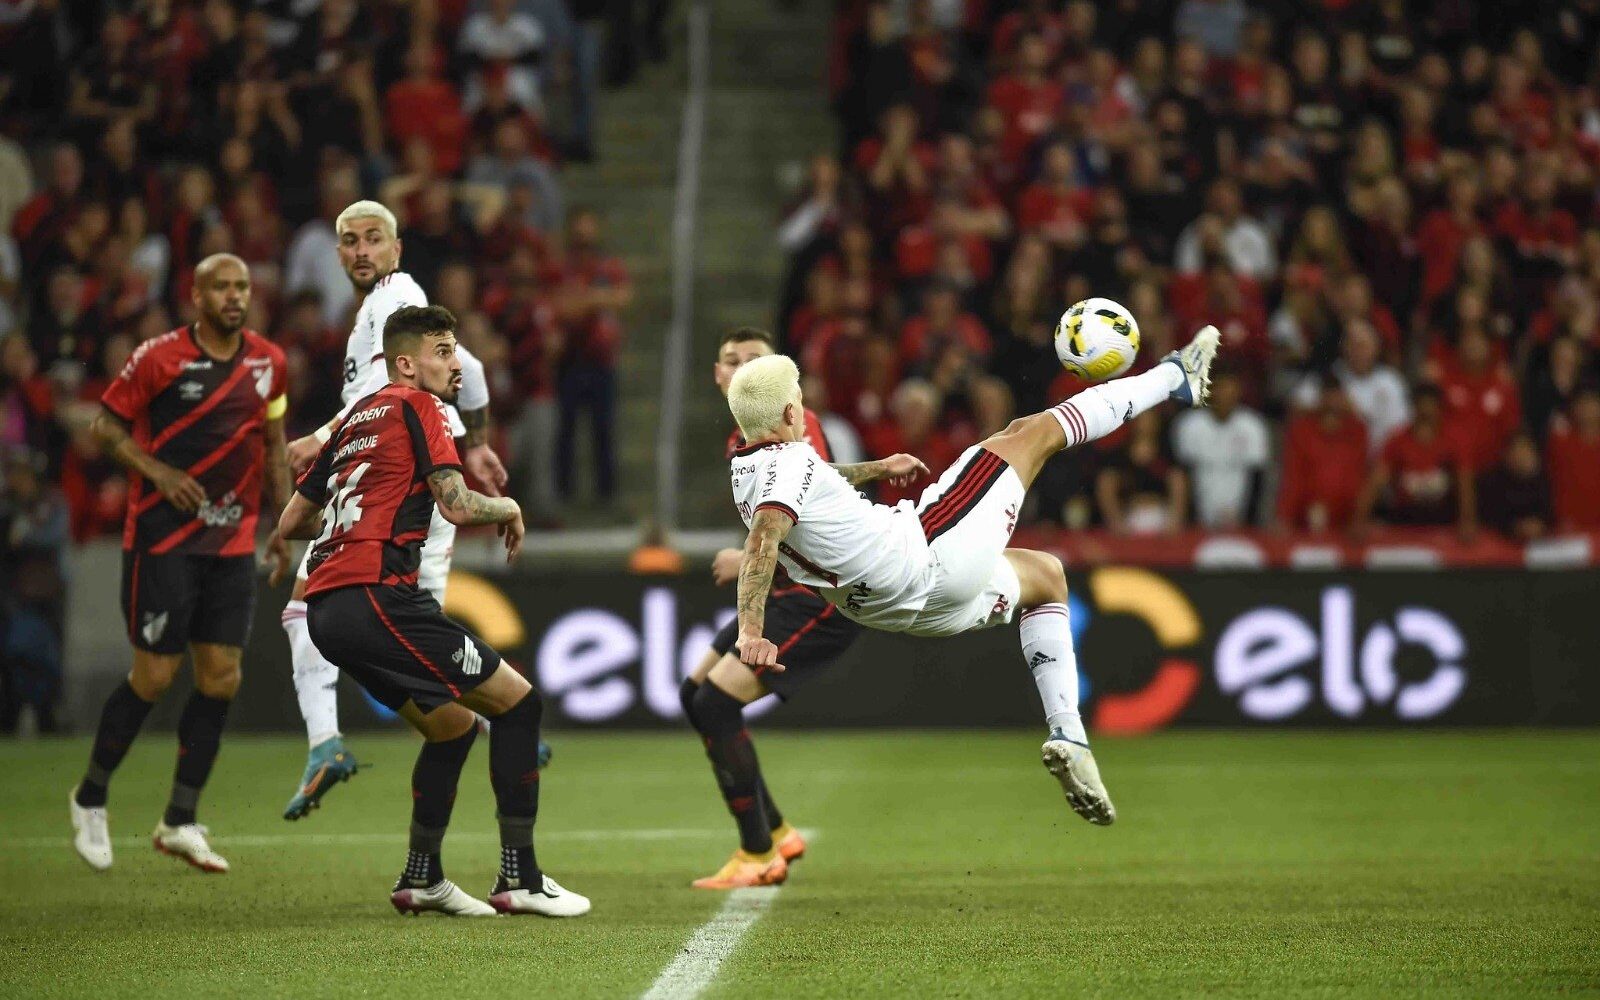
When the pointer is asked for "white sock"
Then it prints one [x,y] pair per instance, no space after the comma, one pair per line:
[1047,646]
[1101,409]
[316,681]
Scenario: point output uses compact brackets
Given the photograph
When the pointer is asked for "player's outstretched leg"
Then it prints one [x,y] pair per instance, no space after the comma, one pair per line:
[316,687]
[522,887]
[120,720]
[179,834]
[1184,376]
[785,837]
[717,713]
[449,733]
[1047,648]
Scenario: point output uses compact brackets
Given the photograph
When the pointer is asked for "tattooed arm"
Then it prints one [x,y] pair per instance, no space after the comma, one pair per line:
[899,469]
[180,489]
[767,529]
[462,507]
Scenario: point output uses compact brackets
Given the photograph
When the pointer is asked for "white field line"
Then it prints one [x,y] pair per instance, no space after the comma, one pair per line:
[697,964]
[357,839]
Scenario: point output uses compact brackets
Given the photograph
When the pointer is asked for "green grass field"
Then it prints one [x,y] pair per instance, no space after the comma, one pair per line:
[944,864]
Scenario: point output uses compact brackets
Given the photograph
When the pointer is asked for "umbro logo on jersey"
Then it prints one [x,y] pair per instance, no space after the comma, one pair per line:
[468,658]
[190,392]
[1039,659]
[154,625]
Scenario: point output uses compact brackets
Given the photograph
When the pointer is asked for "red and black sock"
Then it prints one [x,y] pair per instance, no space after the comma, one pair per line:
[719,718]
[124,713]
[199,739]
[514,772]
[433,795]
[686,693]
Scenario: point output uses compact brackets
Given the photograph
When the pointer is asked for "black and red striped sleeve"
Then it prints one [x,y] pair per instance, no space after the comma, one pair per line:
[131,391]
[431,441]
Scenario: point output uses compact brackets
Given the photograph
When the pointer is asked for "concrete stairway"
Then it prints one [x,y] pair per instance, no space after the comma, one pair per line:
[765,111]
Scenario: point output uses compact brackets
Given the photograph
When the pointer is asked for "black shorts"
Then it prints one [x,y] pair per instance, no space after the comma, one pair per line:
[398,645]
[173,599]
[809,632]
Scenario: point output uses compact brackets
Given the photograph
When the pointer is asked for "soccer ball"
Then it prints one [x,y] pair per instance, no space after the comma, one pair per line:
[1097,339]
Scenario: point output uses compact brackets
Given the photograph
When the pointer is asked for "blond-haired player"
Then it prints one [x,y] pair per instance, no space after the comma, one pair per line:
[939,566]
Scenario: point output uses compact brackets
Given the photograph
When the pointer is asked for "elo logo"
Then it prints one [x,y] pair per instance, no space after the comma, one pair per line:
[1259,649]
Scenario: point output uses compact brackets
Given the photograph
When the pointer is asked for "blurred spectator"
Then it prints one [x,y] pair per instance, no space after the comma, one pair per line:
[313,258]
[1226,232]
[594,290]
[505,41]
[1139,491]
[1573,458]
[1513,497]
[1376,391]
[33,540]
[913,428]
[1324,464]
[1421,476]
[510,164]
[1481,399]
[1225,449]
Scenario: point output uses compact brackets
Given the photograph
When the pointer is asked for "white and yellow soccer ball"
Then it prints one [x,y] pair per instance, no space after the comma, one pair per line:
[1097,339]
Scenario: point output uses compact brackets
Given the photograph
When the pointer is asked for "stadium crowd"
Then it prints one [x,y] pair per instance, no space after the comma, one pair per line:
[1388,207]
[139,136]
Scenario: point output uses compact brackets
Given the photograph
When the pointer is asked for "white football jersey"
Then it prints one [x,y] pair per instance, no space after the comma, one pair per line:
[364,370]
[868,559]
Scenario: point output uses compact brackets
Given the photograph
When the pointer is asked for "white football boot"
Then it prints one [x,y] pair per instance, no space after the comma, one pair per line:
[1194,360]
[188,842]
[1073,765]
[549,900]
[90,833]
[444,896]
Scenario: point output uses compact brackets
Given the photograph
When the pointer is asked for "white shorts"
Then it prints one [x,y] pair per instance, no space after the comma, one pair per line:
[968,517]
[436,551]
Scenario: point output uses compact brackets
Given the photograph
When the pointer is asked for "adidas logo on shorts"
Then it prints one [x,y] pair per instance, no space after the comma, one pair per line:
[468,658]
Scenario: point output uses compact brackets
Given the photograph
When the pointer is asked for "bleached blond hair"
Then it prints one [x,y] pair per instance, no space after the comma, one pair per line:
[368,210]
[759,391]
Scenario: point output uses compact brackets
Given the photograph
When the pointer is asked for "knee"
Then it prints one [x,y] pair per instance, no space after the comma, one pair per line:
[1018,425]
[713,710]
[526,712]
[1046,581]
[151,676]
[221,682]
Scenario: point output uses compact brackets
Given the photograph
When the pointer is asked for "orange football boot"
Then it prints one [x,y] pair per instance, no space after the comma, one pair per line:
[789,842]
[744,870]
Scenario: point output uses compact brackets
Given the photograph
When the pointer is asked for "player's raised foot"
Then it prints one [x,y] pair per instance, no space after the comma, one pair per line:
[789,843]
[1073,765]
[328,764]
[548,900]
[443,896]
[744,870]
[188,842]
[1194,359]
[91,835]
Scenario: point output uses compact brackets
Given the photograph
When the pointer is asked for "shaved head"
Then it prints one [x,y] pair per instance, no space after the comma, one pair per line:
[222,292]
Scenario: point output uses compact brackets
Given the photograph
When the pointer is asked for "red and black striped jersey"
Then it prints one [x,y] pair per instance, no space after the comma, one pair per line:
[207,417]
[371,480]
[815,437]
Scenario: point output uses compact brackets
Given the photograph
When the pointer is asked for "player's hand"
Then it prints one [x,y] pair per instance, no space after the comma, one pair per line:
[725,566]
[512,531]
[278,557]
[758,652]
[179,488]
[302,452]
[903,470]
[487,469]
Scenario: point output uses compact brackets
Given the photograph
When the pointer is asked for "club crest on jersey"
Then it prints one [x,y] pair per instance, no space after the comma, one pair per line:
[154,625]
[261,369]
